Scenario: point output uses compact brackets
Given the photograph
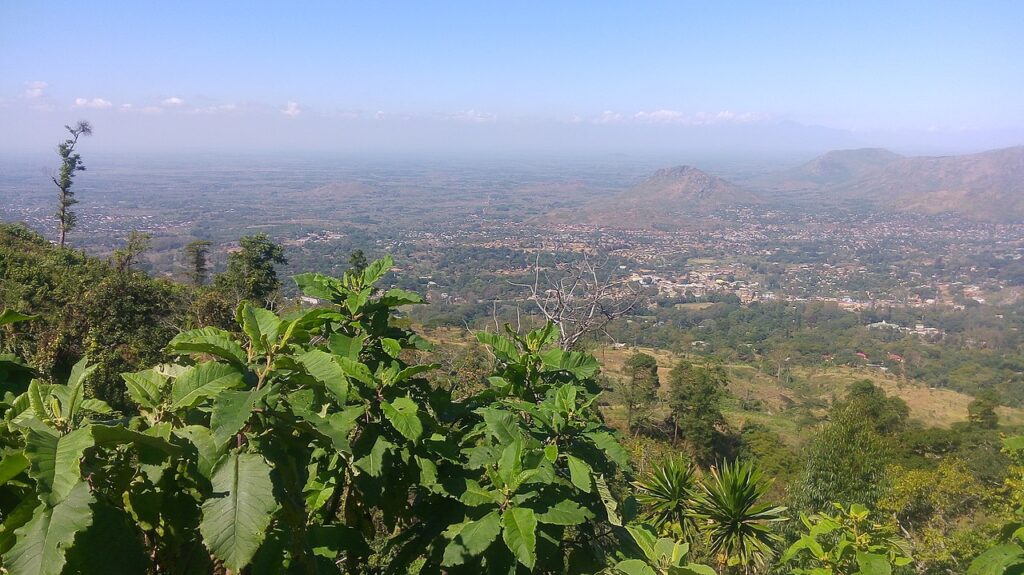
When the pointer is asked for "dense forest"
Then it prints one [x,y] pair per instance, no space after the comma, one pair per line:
[215,426]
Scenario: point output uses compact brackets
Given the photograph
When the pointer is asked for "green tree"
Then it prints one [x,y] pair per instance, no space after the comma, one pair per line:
[1006,557]
[251,274]
[357,261]
[639,389]
[936,508]
[70,163]
[136,245]
[196,253]
[121,321]
[696,401]
[845,462]
[981,412]
[886,414]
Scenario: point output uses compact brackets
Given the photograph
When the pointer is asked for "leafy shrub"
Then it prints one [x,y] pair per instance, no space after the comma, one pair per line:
[306,443]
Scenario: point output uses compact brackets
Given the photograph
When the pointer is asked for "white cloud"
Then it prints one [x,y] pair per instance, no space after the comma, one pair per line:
[292,110]
[94,103]
[172,102]
[667,116]
[608,117]
[216,109]
[698,119]
[474,117]
[34,90]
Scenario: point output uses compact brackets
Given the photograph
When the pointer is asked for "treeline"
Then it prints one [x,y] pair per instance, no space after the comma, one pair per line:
[982,350]
[117,316]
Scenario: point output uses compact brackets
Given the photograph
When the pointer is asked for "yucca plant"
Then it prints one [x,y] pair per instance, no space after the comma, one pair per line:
[666,493]
[729,509]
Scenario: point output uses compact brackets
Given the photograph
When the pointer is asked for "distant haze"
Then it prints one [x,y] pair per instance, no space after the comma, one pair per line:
[511,78]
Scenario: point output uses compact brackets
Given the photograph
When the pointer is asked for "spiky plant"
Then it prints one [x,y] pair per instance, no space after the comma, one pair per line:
[665,494]
[731,513]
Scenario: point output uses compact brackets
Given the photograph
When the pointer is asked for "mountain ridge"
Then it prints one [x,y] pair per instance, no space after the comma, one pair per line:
[667,197]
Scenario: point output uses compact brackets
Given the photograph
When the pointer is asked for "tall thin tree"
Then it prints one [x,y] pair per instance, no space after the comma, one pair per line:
[196,256]
[71,162]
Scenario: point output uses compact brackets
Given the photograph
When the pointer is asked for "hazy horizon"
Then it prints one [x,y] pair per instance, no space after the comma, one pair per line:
[645,79]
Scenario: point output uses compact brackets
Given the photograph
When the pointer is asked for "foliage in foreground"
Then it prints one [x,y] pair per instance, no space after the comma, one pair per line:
[1007,557]
[310,445]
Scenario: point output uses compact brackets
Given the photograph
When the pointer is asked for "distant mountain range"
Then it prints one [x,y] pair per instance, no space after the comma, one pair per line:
[988,186]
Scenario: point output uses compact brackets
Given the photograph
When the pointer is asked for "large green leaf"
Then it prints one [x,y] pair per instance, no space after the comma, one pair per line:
[356,371]
[144,387]
[261,325]
[118,434]
[236,518]
[14,519]
[335,426]
[611,446]
[998,560]
[403,414]
[635,567]
[10,316]
[501,425]
[376,270]
[413,371]
[873,564]
[692,569]
[476,495]
[474,538]
[76,388]
[565,512]
[520,534]
[579,473]
[319,286]
[208,340]
[55,459]
[581,365]
[610,505]
[11,465]
[398,297]
[207,449]
[391,346]
[346,346]
[231,411]
[42,542]
[503,348]
[373,462]
[323,367]
[202,381]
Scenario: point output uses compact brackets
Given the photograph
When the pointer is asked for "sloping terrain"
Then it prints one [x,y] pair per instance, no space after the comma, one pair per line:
[666,199]
[987,186]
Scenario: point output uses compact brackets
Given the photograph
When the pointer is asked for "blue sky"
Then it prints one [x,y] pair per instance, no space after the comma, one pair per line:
[626,74]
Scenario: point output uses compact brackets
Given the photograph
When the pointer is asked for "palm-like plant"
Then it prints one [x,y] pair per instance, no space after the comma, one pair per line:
[665,494]
[737,524]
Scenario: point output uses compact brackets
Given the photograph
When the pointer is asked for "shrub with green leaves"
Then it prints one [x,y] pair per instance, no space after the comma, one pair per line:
[848,541]
[307,443]
[1007,557]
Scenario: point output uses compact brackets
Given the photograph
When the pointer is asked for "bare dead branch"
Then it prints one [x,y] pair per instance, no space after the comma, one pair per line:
[580,298]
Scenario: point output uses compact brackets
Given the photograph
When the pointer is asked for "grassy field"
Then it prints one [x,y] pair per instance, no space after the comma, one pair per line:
[784,404]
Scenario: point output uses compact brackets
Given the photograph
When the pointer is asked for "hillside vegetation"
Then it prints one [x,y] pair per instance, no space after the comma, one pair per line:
[147,429]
